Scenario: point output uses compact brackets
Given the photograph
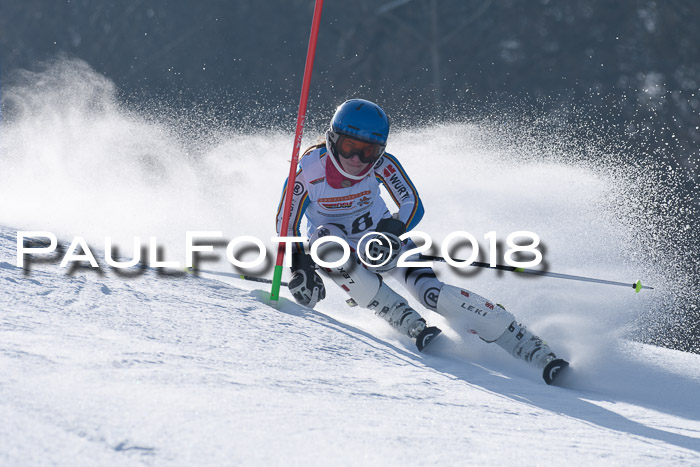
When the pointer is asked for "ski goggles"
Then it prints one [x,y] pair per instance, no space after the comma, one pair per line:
[367,152]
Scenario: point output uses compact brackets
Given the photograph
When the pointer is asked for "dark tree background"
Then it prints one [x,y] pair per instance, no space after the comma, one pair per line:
[633,65]
[432,53]
[636,62]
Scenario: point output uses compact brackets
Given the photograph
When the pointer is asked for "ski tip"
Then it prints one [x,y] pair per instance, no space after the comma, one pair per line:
[553,369]
[268,299]
[264,296]
[426,337]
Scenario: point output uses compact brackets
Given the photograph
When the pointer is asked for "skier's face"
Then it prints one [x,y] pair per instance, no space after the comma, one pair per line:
[367,152]
[356,155]
[353,165]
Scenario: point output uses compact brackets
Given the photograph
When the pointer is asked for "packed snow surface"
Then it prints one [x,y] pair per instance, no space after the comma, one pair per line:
[98,369]
[157,368]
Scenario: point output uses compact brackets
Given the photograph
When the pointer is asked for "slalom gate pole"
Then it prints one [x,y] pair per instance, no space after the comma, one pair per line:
[301,119]
[637,286]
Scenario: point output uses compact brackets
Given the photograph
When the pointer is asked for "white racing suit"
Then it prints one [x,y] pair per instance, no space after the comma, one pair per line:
[349,208]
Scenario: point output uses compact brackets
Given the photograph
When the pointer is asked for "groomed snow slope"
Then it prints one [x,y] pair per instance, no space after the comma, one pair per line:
[157,370]
[105,369]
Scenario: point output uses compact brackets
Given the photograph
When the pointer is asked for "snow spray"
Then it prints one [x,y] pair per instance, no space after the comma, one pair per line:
[78,161]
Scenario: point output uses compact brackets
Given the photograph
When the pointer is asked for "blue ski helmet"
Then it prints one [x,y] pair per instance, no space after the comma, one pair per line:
[359,119]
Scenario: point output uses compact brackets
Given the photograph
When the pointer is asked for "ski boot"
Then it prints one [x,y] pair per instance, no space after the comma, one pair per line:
[393,308]
[523,344]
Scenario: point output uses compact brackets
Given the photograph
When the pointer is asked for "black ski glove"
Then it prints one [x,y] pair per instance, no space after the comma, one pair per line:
[306,285]
[381,252]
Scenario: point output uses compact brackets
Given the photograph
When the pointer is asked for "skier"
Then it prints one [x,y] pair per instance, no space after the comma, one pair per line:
[337,189]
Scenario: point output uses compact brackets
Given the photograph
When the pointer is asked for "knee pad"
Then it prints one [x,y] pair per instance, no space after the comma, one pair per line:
[329,251]
[473,312]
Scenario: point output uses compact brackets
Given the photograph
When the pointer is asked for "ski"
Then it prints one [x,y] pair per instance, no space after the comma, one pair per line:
[554,369]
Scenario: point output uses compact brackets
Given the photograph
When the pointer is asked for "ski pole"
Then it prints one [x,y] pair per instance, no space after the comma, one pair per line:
[236,276]
[637,286]
[350,302]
